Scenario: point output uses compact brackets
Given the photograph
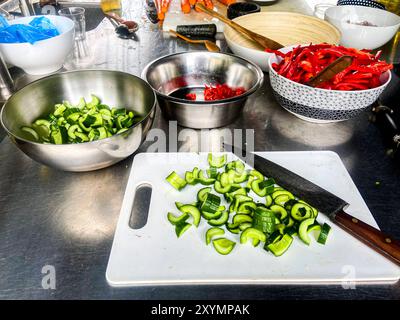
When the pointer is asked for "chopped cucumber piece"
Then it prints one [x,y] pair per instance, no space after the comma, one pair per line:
[301,211]
[193,211]
[252,233]
[215,161]
[323,236]
[176,181]
[223,246]
[202,194]
[213,232]
[181,228]
[303,230]
[32,133]
[211,203]
[220,221]
[174,220]
[280,247]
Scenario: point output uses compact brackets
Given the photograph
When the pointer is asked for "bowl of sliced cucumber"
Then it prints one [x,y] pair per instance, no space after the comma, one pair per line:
[81,120]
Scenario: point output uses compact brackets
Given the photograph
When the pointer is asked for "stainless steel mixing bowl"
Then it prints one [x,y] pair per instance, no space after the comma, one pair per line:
[117,89]
[188,72]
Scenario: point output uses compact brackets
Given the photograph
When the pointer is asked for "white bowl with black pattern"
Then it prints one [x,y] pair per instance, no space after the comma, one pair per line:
[321,105]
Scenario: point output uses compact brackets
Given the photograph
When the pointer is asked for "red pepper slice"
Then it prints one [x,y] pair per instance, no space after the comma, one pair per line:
[191,96]
[302,63]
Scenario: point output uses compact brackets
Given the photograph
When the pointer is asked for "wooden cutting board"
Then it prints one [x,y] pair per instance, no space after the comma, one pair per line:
[153,255]
[175,16]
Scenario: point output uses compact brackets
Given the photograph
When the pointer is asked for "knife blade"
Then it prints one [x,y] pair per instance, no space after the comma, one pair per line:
[326,203]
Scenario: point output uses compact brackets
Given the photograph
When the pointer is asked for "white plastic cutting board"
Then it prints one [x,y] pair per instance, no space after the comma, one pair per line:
[175,17]
[153,255]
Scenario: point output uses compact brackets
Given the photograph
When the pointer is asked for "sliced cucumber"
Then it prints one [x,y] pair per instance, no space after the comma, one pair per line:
[282,199]
[215,161]
[268,200]
[279,210]
[32,133]
[220,221]
[252,233]
[211,203]
[202,194]
[315,211]
[241,177]
[205,180]
[181,228]
[193,211]
[212,172]
[191,177]
[223,246]
[247,207]
[174,180]
[174,220]
[244,226]
[242,218]
[280,247]
[230,196]
[303,230]
[264,220]
[255,186]
[220,189]
[209,215]
[323,236]
[278,193]
[213,232]
[257,175]
[301,211]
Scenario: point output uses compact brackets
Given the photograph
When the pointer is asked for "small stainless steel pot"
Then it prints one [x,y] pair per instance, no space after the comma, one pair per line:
[116,89]
[192,70]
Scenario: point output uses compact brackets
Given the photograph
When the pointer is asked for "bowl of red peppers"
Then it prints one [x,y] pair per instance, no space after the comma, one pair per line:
[340,98]
[201,89]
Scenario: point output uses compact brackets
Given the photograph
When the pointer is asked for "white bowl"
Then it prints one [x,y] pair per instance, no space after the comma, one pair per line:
[287,28]
[321,105]
[359,36]
[45,56]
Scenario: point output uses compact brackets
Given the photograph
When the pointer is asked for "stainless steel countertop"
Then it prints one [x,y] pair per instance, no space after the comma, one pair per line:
[67,220]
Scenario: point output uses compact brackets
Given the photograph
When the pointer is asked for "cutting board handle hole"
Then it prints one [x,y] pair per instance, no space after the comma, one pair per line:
[141,205]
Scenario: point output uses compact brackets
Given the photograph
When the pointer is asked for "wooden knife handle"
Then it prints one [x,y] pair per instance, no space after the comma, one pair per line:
[229,22]
[372,237]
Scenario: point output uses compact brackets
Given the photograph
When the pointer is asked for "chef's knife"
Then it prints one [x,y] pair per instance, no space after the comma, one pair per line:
[328,204]
[331,70]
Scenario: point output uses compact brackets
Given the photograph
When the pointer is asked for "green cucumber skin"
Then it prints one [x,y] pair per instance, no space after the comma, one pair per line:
[290,216]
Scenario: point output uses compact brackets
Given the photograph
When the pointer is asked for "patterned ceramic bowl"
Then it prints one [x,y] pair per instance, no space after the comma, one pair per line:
[364,3]
[321,105]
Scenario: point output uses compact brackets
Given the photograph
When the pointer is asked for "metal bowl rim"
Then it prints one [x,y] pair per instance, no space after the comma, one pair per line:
[254,88]
[80,143]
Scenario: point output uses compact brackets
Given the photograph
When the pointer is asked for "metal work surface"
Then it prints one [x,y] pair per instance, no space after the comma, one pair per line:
[67,220]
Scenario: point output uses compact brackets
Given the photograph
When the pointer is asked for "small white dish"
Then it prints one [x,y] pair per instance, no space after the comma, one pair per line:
[349,19]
